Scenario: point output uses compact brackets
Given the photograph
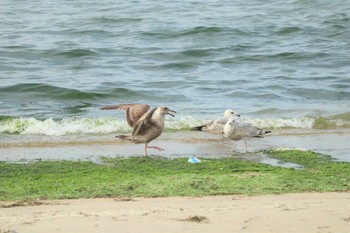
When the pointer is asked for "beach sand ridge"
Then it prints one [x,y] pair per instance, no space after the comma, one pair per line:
[308,212]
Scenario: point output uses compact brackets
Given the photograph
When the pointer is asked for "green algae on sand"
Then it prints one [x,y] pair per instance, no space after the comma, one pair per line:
[155,177]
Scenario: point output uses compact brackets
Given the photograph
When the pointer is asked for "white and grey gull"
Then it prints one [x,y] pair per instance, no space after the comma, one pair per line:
[236,130]
[216,126]
[147,124]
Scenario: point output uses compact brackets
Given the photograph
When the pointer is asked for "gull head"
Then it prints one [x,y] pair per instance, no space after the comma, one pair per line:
[231,121]
[166,111]
[229,113]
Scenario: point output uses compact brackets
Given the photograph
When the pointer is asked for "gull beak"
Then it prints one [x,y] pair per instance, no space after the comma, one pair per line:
[231,122]
[169,111]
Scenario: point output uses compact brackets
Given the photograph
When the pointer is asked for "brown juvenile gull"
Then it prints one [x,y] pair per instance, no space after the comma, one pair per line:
[148,127]
[216,126]
[133,112]
[236,130]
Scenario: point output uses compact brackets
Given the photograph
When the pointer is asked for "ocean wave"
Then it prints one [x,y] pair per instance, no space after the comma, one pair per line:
[286,56]
[67,126]
[54,92]
[74,53]
[193,33]
[288,30]
[80,126]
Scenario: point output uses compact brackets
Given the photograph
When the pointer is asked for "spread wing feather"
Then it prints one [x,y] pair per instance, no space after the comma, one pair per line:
[141,124]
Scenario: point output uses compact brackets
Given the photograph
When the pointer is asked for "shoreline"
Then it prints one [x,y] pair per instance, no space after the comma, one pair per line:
[298,212]
[178,144]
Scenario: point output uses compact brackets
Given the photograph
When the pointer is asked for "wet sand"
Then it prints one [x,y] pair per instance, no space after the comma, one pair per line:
[179,144]
[310,212]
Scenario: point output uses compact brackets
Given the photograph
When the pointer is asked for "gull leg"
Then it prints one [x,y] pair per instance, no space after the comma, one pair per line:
[245,143]
[220,138]
[156,147]
[234,146]
[145,149]
[152,147]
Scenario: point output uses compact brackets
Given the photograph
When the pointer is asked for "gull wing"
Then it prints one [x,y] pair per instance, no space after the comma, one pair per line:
[141,124]
[133,111]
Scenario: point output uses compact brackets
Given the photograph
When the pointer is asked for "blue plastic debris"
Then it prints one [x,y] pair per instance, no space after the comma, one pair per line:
[193,159]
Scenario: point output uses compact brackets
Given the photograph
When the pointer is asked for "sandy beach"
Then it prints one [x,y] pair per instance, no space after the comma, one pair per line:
[309,212]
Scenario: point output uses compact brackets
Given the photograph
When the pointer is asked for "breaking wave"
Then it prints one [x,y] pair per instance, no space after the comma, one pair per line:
[86,125]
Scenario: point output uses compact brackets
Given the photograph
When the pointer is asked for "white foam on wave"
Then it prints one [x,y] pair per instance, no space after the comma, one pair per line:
[182,122]
[280,123]
[186,122]
[65,126]
[75,125]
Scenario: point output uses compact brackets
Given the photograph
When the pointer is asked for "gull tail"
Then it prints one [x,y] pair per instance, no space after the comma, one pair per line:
[197,128]
[261,133]
[124,137]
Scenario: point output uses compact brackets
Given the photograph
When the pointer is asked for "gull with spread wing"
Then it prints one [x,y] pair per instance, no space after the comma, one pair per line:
[147,124]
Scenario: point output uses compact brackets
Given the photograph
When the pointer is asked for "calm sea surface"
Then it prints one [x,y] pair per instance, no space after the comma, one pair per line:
[280,64]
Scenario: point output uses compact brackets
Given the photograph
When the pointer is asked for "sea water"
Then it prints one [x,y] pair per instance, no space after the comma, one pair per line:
[280,64]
